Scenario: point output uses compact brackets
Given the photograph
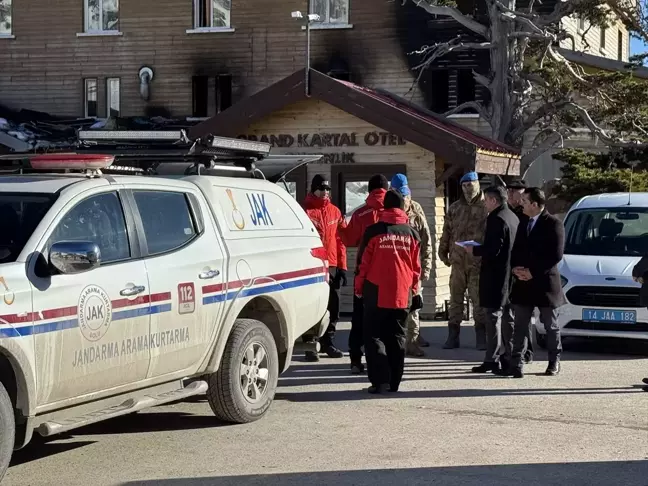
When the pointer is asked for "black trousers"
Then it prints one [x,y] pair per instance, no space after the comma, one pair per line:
[356,340]
[521,338]
[385,342]
[334,310]
[508,325]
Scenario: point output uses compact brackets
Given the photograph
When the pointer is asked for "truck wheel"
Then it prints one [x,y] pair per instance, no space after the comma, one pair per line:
[541,339]
[244,386]
[7,430]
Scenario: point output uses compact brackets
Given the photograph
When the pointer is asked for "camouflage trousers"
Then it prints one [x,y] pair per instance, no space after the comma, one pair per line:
[462,280]
[413,322]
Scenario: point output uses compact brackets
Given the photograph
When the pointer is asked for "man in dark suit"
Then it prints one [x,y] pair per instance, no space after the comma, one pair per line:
[536,253]
[515,189]
[495,270]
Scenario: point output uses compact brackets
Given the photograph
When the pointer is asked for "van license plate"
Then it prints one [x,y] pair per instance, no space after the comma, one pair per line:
[609,315]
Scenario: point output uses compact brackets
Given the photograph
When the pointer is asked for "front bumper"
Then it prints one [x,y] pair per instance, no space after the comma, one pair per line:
[570,322]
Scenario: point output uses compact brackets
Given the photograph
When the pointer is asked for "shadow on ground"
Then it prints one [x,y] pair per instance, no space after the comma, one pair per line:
[626,473]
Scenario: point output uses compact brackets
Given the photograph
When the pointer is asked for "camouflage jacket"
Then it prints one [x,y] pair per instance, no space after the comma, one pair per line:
[418,221]
[463,222]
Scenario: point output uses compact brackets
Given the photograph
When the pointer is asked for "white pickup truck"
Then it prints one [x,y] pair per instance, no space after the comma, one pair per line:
[122,292]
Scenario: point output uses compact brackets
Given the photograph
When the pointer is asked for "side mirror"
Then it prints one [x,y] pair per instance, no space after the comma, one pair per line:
[70,257]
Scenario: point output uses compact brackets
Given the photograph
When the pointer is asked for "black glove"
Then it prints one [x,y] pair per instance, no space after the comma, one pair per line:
[341,277]
[417,303]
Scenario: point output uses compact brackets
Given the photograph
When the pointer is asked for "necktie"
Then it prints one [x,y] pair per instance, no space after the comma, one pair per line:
[529,227]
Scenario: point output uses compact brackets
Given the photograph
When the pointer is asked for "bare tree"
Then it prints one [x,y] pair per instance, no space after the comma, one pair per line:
[533,86]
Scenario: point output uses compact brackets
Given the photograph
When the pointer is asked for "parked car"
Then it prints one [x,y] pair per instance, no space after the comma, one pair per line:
[122,292]
[605,236]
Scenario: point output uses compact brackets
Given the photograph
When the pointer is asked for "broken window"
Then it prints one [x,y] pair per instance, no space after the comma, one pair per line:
[223,92]
[112,97]
[465,86]
[212,13]
[331,11]
[202,99]
[90,97]
[5,17]
[439,90]
[101,15]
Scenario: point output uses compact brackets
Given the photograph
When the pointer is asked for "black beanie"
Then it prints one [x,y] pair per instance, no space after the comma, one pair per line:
[319,182]
[393,200]
[378,181]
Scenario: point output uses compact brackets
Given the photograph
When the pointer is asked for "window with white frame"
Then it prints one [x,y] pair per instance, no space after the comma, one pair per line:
[112,97]
[5,17]
[101,16]
[331,11]
[212,14]
[90,97]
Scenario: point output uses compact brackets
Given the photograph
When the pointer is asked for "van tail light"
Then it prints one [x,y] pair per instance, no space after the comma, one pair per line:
[321,254]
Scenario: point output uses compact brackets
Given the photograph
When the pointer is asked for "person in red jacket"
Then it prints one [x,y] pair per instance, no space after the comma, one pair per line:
[389,274]
[351,235]
[327,218]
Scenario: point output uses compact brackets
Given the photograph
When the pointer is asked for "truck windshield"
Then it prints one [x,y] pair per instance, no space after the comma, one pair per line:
[20,213]
[607,232]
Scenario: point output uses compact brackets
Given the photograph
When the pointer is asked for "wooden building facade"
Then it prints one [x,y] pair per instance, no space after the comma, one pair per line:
[362,132]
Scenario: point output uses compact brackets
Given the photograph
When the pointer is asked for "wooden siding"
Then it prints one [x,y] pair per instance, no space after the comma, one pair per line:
[593,37]
[44,66]
[316,117]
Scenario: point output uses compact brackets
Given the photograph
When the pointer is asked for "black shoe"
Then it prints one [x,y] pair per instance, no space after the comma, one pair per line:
[376,390]
[553,369]
[485,368]
[311,356]
[333,352]
[357,368]
[392,389]
[528,358]
[645,380]
[517,373]
[504,372]
[644,388]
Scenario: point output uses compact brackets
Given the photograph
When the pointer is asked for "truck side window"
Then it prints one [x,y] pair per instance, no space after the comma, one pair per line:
[167,220]
[98,219]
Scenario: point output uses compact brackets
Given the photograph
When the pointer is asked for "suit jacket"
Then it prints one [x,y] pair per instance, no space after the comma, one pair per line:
[495,271]
[540,252]
[640,270]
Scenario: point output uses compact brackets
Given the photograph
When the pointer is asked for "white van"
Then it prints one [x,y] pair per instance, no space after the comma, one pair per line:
[605,236]
[122,292]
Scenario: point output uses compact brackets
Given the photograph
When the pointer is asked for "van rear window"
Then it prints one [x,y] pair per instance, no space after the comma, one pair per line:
[20,214]
[607,232]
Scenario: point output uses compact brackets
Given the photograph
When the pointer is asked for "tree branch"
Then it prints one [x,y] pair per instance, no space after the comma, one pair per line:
[469,104]
[605,137]
[464,20]
[547,144]
[545,110]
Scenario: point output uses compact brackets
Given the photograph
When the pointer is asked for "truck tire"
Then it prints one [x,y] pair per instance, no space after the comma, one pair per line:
[7,430]
[242,389]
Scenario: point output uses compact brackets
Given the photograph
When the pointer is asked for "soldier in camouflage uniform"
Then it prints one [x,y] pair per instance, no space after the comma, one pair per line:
[418,221]
[465,220]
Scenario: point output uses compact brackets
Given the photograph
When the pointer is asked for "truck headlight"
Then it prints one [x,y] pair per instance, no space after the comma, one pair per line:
[563,281]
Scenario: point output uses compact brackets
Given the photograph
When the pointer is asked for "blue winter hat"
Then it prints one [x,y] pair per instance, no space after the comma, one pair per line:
[399,183]
[469,177]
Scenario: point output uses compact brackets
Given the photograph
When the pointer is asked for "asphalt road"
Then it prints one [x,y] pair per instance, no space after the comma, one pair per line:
[588,426]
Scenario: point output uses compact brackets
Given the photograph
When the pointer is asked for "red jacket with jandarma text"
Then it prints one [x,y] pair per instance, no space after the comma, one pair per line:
[390,261]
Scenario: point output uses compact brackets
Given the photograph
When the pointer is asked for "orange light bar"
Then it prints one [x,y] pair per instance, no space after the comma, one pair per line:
[72,161]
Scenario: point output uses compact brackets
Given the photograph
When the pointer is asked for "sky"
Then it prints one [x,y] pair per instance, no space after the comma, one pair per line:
[637,46]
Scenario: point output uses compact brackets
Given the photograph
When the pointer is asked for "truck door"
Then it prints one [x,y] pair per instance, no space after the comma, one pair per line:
[184,259]
[91,328]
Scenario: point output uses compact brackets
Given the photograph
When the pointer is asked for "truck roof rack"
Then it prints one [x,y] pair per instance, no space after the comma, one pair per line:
[167,152]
